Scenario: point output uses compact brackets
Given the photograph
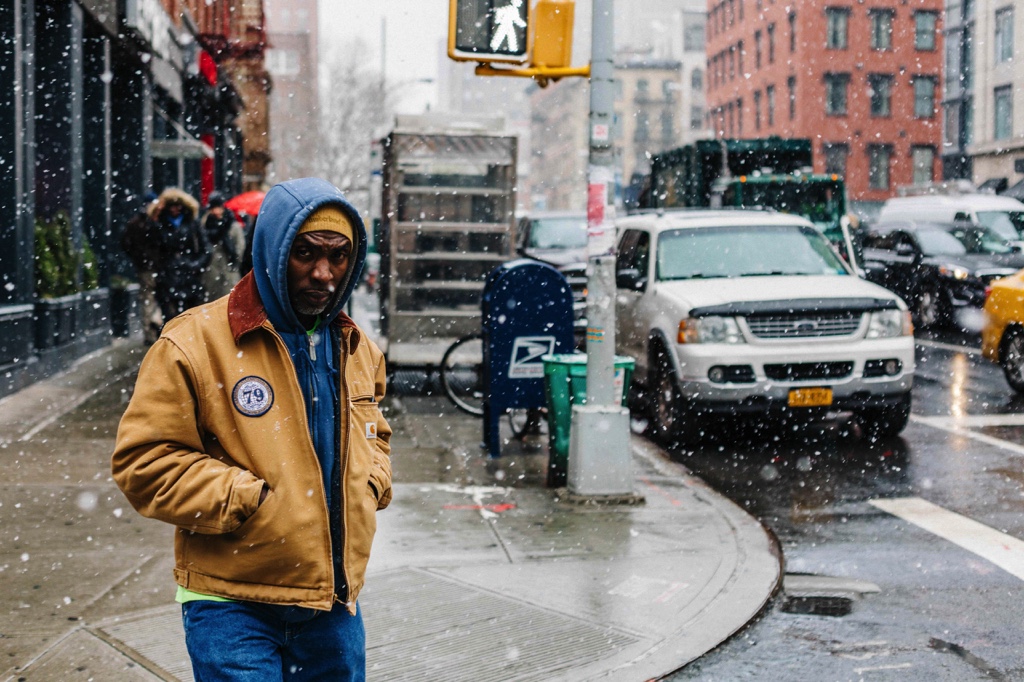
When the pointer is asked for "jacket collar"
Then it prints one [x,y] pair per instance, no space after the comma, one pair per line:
[246,312]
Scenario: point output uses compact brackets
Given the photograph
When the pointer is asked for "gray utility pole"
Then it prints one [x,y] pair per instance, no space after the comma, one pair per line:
[600,462]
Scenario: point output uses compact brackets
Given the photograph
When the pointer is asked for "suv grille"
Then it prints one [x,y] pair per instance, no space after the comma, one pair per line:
[808,371]
[804,325]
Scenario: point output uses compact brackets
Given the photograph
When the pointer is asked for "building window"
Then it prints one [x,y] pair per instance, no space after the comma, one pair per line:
[643,126]
[924,164]
[771,43]
[668,132]
[693,33]
[1004,35]
[739,117]
[835,157]
[757,110]
[792,32]
[925,25]
[732,63]
[836,85]
[739,56]
[881,94]
[769,98]
[730,112]
[696,117]
[837,19]
[282,62]
[881,29]
[697,79]
[1003,128]
[757,49]
[924,96]
[791,88]
[878,166]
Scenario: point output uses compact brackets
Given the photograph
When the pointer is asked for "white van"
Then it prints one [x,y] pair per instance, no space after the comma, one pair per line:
[1002,214]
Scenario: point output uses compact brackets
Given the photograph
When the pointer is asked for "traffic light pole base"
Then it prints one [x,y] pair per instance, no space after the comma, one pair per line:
[600,461]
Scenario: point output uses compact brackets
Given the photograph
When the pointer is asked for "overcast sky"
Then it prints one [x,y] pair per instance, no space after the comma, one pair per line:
[414,30]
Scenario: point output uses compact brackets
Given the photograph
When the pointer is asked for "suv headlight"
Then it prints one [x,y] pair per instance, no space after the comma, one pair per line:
[888,324]
[954,272]
[712,329]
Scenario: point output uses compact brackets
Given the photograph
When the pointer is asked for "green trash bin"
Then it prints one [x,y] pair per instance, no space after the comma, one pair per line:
[565,385]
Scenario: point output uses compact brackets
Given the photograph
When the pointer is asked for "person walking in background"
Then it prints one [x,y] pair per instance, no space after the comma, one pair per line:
[255,428]
[140,239]
[224,235]
[184,252]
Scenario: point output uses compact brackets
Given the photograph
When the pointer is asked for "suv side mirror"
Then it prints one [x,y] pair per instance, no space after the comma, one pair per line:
[630,278]
[905,250]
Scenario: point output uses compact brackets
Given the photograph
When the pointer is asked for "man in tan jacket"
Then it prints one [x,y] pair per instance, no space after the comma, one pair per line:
[255,429]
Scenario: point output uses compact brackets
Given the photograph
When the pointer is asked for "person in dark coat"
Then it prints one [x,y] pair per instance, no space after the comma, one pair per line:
[184,253]
[140,239]
[224,234]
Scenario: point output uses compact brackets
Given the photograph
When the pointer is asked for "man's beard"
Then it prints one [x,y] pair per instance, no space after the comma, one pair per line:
[303,308]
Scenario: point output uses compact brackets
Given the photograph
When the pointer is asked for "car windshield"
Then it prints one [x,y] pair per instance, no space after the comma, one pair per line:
[939,243]
[1008,224]
[558,233]
[980,239]
[745,251]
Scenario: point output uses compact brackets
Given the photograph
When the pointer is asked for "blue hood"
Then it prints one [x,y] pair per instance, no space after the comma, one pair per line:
[284,209]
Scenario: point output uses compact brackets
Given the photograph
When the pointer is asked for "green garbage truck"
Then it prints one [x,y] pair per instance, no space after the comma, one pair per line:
[771,173]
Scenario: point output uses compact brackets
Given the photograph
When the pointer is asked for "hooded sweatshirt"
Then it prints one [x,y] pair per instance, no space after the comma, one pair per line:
[313,352]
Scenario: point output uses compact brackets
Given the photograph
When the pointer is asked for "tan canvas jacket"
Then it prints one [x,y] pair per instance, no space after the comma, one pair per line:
[217,411]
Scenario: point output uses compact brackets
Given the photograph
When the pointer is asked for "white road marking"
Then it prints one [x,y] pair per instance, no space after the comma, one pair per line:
[969,350]
[956,425]
[878,668]
[978,420]
[1005,551]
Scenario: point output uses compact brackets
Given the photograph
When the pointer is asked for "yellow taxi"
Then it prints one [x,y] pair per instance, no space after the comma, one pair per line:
[1002,337]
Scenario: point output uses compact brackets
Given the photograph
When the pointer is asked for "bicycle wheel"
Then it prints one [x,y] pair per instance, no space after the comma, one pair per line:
[462,374]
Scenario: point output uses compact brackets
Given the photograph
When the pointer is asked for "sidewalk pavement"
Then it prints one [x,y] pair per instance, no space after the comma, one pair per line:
[478,571]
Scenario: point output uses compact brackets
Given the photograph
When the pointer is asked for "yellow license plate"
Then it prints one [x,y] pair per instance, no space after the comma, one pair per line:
[810,397]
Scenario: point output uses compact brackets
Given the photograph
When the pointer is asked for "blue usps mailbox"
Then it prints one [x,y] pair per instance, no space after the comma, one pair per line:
[527,313]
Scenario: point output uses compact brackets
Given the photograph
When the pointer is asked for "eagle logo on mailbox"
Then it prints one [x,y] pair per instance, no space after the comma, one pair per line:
[527,352]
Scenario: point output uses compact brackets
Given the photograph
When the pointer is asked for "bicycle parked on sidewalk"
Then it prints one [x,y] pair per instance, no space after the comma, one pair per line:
[462,378]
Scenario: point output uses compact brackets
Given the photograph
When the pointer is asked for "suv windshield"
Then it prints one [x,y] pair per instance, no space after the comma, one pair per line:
[980,239]
[1008,224]
[745,251]
[558,233]
[940,243]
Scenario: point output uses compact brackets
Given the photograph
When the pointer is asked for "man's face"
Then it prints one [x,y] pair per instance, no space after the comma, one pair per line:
[317,265]
[174,209]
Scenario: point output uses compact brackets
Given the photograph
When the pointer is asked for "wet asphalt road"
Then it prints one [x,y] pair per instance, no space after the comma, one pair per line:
[910,605]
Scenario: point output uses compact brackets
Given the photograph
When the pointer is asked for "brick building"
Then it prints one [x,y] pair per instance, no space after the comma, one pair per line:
[860,79]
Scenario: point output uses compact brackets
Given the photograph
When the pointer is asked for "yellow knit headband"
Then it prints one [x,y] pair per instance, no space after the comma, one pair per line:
[330,219]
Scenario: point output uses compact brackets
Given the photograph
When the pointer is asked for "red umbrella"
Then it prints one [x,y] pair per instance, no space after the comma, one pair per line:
[246,202]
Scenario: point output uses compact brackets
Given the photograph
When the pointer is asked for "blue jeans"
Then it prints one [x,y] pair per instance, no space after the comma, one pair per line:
[250,642]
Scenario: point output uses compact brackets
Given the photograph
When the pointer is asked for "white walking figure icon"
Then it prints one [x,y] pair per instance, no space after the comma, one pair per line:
[506,19]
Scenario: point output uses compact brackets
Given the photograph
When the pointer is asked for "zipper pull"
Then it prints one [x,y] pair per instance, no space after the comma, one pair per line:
[314,339]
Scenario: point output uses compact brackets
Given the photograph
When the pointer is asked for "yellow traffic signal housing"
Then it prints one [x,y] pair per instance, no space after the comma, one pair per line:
[552,24]
[513,31]
[489,30]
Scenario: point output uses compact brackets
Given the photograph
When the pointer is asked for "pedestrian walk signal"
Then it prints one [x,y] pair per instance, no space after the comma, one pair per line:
[489,30]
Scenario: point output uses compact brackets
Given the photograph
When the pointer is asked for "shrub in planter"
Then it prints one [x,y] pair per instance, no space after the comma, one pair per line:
[57,286]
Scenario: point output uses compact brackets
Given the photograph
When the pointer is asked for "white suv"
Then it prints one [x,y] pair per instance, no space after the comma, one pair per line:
[752,312]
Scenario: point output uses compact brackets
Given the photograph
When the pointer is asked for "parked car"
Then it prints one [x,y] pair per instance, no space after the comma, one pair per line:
[734,313]
[1005,215]
[1002,336]
[559,238]
[933,271]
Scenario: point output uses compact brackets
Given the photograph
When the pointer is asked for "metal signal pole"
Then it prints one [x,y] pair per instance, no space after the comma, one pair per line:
[600,462]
